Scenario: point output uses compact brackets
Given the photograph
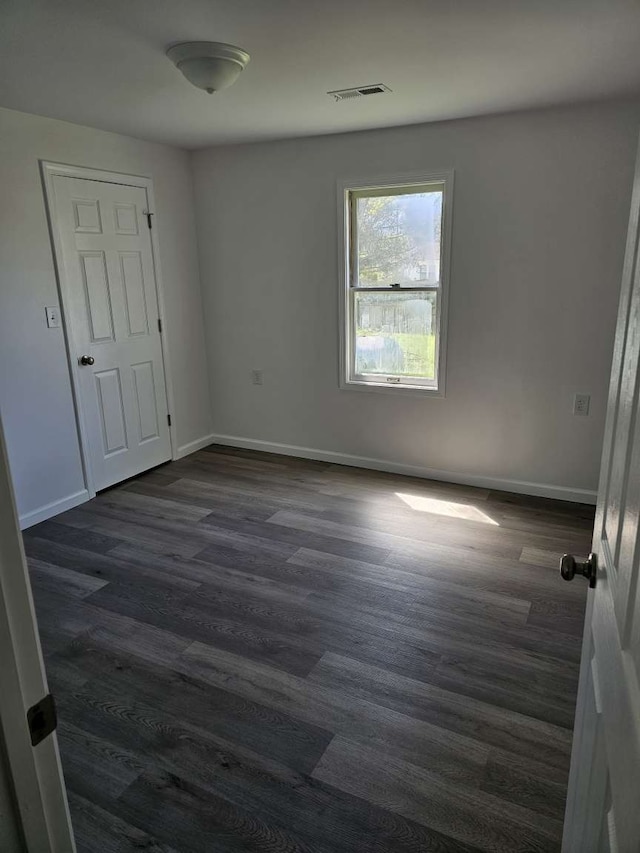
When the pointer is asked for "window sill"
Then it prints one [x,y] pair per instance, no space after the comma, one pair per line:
[387,388]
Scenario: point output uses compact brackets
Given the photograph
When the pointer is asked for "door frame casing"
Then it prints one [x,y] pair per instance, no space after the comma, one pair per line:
[50,170]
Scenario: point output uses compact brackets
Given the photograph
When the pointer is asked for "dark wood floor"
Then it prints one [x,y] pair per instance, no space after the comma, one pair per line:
[257,653]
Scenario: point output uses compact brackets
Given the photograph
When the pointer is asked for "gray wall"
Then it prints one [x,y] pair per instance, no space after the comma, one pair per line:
[539,222]
[35,390]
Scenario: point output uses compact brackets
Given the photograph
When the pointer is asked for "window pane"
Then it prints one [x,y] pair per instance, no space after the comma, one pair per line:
[399,238]
[395,333]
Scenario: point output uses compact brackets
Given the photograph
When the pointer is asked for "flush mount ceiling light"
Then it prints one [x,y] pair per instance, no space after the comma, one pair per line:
[209,65]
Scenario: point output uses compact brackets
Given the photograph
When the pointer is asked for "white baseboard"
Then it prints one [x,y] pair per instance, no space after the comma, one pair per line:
[53,508]
[192,446]
[544,490]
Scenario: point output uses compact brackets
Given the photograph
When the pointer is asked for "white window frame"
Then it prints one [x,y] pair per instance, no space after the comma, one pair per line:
[348,379]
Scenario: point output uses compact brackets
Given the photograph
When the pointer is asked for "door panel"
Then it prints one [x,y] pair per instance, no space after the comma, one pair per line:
[125,219]
[87,218]
[604,786]
[111,315]
[135,301]
[111,408]
[145,398]
[99,311]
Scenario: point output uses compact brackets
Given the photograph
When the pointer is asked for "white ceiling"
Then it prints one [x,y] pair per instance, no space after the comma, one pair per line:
[102,63]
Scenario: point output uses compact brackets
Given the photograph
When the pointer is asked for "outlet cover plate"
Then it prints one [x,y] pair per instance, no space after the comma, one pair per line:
[581,403]
[52,313]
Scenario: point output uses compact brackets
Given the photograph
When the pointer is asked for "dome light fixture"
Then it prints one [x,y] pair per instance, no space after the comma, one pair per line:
[209,65]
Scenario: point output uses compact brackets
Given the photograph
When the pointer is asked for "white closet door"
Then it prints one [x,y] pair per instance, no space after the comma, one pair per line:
[108,272]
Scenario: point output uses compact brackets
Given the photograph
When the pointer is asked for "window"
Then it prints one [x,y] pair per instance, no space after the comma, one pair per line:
[393,306]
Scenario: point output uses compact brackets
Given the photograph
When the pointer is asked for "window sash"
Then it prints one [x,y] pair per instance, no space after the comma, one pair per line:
[377,192]
[389,380]
[399,189]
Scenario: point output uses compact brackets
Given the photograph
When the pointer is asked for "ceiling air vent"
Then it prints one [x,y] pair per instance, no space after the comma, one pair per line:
[359,92]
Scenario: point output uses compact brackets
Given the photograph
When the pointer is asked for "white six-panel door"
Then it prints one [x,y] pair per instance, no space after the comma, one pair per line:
[108,276]
[603,804]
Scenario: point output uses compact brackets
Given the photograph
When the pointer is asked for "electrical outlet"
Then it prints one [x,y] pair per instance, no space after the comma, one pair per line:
[581,404]
[53,316]
[256,377]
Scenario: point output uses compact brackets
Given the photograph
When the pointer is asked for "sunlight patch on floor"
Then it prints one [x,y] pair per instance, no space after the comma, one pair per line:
[465,512]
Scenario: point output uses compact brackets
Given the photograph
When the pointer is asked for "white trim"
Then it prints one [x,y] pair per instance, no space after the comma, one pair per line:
[49,171]
[522,487]
[192,446]
[53,508]
[345,382]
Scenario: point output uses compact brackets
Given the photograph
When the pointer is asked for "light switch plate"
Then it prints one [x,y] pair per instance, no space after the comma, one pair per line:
[53,316]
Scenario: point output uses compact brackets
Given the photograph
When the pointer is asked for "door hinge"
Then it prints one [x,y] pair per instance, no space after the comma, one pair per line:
[42,719]
[169,419]
[148,214]
[159,325]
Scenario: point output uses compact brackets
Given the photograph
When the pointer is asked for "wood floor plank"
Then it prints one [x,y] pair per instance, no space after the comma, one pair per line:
[207,499]
[315,627]
[188,816]
[159,476]
[61,618]
[451,755]
[54,531]
[473,676]
[145,506]
[557,615]
[345,480]
[111,521]
[541,557]
[526,503]
[441,640]
[202,572]
[304,495]
[528,639]
[59,580]
[317,819]
[99,830]
[478,571]
[488,724]
[128,635]
[94,766]
[191,622]
[528,783]
[338,530]
[255,459]
[417,585]
[442,524]
[298,537]
[484,821]
[107,567]
[213,710]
